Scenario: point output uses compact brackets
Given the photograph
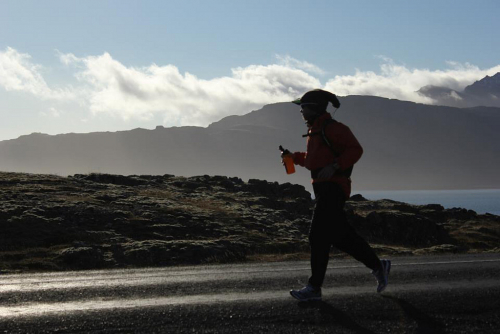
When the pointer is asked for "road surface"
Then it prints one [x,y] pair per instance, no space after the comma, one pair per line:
[432,294]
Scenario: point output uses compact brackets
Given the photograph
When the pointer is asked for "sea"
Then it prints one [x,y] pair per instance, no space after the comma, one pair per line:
[480,200]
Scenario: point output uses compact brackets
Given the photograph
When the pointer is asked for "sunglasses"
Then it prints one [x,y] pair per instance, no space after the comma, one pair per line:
[306,105]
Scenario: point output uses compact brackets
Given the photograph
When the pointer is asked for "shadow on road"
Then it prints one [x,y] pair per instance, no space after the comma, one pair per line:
[336,316]
[426,324]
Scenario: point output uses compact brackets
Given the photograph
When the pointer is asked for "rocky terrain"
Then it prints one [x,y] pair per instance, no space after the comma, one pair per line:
[111,221]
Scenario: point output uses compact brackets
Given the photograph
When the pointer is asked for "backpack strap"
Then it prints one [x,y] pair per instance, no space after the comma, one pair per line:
[348,171]
[325,138]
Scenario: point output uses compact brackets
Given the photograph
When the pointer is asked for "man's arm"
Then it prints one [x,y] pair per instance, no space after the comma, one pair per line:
[299,158]
[343,138]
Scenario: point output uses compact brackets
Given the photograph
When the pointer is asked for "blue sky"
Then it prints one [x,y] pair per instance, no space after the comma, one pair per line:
[80,66]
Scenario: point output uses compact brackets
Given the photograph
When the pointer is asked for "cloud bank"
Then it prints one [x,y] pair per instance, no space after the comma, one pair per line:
[399,82]
[17,73]
[183,98]
[107,86]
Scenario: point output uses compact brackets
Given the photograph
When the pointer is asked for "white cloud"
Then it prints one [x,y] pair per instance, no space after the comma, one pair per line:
[288,61]
[68,58]
[106,86]
[455,96]
[183,98]
[17,73]
[51,112]
[400,82]
[54,112]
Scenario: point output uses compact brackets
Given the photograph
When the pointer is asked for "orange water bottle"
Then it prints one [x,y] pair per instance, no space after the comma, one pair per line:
[287,160]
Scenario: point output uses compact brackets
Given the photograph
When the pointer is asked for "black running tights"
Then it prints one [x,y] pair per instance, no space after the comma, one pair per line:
[329,227]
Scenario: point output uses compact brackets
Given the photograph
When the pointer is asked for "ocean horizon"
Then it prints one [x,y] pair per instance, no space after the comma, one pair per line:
[480,200]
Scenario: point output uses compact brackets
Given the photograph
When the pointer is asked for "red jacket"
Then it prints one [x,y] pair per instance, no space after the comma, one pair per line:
[319,155]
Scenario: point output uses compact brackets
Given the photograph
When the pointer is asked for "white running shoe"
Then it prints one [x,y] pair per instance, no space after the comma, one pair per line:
[382,275]
[307,294]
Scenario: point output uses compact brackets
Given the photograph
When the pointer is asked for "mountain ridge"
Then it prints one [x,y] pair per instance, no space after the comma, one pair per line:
[407,146]
[484,92]
[485,86]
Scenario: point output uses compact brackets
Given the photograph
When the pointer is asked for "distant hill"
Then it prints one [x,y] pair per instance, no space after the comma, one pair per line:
[407,146]
[485,92]
[486,87]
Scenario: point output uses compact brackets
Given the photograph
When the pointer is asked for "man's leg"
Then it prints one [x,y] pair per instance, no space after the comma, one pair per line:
[319,262]
[330,227]
[345,238]
[352,244]
[319,233]
[320,247]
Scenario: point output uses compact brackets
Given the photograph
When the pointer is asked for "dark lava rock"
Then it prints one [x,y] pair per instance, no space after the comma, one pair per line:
[113,179]
[399,228]
[107,221]
[80,258]
[357,198]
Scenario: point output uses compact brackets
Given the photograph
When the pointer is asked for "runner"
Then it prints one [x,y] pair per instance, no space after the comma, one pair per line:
[332,150]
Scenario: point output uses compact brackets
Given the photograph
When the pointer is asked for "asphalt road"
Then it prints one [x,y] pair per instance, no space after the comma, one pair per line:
[433,294]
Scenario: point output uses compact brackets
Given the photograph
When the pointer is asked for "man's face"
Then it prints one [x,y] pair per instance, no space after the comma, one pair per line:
[308,113]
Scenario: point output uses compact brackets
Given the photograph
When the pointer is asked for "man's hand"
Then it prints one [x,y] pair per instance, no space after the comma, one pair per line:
[328,171]
[287,155]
